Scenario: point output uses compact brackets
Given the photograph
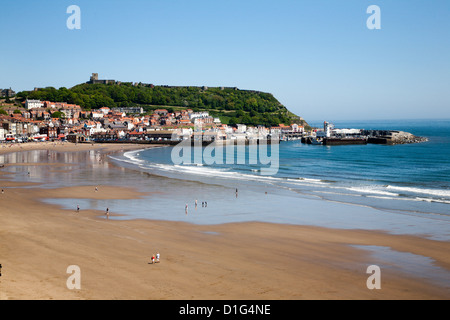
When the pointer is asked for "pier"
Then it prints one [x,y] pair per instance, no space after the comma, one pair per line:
[331,136]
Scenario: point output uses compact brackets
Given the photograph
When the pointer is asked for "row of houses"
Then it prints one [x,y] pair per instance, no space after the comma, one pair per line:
[38,121]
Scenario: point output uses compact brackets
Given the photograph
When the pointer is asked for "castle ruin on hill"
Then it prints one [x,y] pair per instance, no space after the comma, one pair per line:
[94,79]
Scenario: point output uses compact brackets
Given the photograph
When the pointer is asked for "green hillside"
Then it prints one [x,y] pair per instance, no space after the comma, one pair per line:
[231,105]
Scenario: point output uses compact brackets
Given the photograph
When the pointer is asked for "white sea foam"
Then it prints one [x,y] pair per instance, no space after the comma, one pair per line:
[434,192]
[200,169]
[303,181]
[381,192]
[132,156]
[372,190]
[432,200]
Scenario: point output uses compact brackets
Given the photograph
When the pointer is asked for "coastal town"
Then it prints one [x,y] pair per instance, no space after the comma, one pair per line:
[50,121]
[36,120]
[46,120]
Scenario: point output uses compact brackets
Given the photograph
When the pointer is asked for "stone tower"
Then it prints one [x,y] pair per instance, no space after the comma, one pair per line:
[94,77]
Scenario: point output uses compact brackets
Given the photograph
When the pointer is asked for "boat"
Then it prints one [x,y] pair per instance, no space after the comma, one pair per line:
[316,141]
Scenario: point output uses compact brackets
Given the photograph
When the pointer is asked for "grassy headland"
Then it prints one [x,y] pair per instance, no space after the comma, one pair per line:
[231,105]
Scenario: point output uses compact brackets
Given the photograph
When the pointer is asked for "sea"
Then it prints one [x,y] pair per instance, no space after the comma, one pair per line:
[406,180]
[400,189]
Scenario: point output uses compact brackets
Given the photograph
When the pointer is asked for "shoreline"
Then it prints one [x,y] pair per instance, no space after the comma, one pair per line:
[248,260]
[352,210]
[70,147]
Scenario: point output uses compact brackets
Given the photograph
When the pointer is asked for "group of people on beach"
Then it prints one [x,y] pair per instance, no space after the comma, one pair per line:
[155,259]
[204,205]
[78,206]
[78,210]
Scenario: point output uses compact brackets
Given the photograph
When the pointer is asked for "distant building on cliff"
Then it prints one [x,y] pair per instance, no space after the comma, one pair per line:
[94,79]
[7,93]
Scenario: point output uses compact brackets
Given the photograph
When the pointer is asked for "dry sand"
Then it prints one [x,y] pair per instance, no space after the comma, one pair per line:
[250,261]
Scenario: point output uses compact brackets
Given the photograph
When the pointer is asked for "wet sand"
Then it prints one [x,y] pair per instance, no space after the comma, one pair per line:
[260,261]
[66,146]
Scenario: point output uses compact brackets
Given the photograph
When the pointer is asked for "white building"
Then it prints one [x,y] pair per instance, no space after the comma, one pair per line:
[183,133]
[30,104]
[97,115]
[347,132]
[297,128]
[275,131]
[237,136]
[97,128]
[3,133]
[104,110]
[241,128]
[198,115]
[227,129]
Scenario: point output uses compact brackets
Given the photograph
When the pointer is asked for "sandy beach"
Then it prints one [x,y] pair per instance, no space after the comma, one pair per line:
[251,261]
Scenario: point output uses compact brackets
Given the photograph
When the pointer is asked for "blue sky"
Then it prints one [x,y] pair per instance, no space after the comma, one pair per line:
[316,56]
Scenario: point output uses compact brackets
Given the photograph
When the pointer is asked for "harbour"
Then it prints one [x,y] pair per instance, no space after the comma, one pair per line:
[329,136]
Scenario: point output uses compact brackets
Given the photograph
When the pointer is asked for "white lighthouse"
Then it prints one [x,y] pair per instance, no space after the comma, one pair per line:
[327,127]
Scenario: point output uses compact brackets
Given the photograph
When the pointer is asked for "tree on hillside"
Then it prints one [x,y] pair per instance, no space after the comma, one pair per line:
[249,107]
[58,114]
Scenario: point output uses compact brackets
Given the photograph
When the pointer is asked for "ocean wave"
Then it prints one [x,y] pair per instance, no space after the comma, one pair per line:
[130,161]
[209,171]
[389,192]
[302,180]
[432,200]
[434,192]
[373,190]
[133,156]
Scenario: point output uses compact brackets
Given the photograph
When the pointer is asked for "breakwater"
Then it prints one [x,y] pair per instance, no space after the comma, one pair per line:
[395,137]
[389,137]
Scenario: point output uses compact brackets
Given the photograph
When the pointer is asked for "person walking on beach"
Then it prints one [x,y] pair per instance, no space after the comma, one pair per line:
[206,204]
[236,192]
[153,258]
[186,209]
[157,257]
[78,208]
[195,203]
[107,213]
